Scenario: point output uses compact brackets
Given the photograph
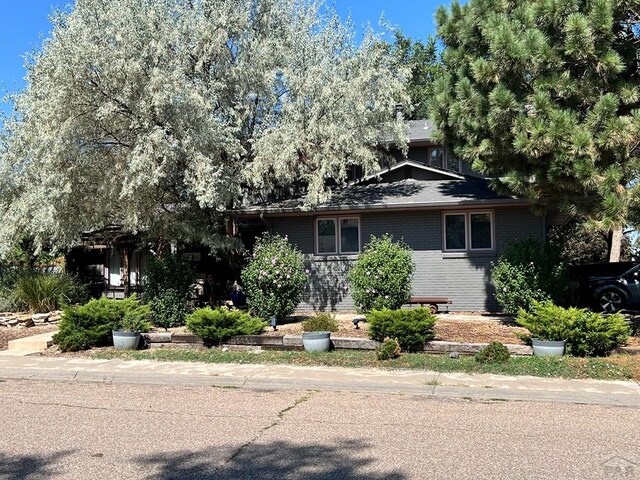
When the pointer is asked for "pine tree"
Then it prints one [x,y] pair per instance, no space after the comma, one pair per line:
[543,96]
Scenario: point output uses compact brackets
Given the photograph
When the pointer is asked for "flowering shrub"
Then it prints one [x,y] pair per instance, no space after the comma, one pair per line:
[528,271]
[274,277]
[381,277]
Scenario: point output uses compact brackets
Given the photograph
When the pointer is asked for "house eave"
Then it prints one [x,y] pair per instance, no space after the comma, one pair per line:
[297,211]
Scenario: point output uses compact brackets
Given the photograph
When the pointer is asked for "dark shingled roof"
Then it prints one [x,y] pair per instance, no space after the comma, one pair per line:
[408,193]
[421,130]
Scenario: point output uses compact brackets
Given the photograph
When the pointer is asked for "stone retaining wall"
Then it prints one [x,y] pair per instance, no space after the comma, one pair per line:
[294,342]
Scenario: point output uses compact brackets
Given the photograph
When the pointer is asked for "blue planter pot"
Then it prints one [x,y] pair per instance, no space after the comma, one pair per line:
[547,348]
[316,341]
[125,340]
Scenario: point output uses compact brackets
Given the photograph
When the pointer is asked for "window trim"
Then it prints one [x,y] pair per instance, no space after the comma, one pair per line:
[467,231]
[338,247]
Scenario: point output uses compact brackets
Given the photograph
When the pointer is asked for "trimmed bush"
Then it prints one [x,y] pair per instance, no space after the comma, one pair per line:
[220,324]
[547,321]
[274,277]
[528,271]
[381,276]
[495,352]
[411,328]
[586,333]
[90,325]
[324,322]
[44,292]
[594,334]
[388,350]
[168,286]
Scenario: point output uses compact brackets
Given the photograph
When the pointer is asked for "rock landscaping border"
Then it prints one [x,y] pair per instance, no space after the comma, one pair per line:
[294,342]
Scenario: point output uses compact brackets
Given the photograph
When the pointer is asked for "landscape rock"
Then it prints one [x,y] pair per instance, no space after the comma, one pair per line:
[40,318]
[9,321]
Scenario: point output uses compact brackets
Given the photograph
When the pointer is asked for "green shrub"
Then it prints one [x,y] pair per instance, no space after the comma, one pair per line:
[168,287]
[9,301]
[495,352]
[274,277]
[388,350]
[412,327]
[381,276]
[45,292]
[90,325]
[595,334]
[586,333]
[324,322]
[218,325]
[527,271]
[547,321]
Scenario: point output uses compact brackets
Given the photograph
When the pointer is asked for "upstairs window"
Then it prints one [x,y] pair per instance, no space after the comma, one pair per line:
[468,231]
[337,235]
[440,157]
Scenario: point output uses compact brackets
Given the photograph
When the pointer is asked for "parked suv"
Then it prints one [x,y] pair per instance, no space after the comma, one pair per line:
[611,292]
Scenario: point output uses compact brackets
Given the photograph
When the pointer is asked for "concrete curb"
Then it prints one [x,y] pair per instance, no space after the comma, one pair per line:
[286,377]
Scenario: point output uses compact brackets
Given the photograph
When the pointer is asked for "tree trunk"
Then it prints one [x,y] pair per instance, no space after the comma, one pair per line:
[616,245]
[125,270]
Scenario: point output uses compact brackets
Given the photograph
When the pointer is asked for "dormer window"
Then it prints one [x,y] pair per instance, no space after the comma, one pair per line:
[436,157]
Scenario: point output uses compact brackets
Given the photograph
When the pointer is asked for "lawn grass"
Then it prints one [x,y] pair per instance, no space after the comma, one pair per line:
[617,367]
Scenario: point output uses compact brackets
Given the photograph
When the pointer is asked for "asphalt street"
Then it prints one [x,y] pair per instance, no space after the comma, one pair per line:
[72,430]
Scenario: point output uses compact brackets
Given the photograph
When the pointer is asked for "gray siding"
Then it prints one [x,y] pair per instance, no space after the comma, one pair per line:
[463,278]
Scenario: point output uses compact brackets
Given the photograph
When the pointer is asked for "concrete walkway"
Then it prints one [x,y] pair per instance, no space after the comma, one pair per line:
[285,377]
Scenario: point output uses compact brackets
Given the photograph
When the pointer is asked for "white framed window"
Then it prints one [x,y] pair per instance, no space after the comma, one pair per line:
[469,231]
[337,235]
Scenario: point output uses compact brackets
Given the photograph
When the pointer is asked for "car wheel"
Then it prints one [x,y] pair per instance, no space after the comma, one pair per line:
[611,301]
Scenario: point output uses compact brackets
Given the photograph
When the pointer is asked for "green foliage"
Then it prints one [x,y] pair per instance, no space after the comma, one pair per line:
[595,334]
[388,350]
[168,289]
[90,325]
[579,243]
[586,333]
[324,322]
[424,63]
[9,301]
[547,321]
[44,292]
[215,326]
[495,352]
[542,96]
[411,327]
[527,271]
[274,277]
[381,276]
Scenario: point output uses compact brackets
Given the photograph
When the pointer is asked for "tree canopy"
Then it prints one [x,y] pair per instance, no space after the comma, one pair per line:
[158,116]
[423,60]
[543,96]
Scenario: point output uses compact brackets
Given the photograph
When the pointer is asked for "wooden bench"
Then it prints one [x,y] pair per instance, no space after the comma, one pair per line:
[433,303]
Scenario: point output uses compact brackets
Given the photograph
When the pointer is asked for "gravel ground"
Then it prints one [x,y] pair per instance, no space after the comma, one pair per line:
[449,327]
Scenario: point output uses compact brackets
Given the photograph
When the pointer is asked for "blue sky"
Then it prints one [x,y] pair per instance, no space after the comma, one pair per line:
[24,25]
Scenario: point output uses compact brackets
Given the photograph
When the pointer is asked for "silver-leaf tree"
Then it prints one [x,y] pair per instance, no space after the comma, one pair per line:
[162,115]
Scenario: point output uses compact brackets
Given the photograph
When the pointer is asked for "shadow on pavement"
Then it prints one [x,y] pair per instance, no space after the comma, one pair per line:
[272,462]
[19,467]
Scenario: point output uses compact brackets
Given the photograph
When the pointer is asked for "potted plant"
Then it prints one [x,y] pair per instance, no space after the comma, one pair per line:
[549,326]
[317,332]
[128,336]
